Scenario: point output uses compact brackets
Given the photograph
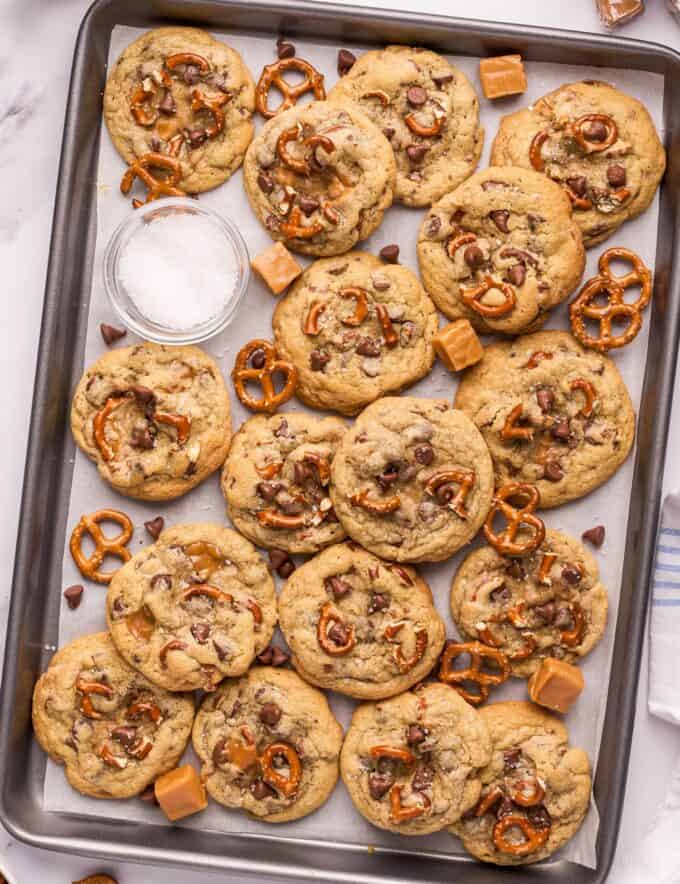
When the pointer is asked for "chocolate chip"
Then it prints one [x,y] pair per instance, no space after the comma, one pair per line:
[286,569]
[424,454]
[595,535]
[143,395]
[268,490]
[378,602]
[390,254]
[553,472]
[265,182]
[415,734]
[595,131]
[368,347]
[277,557]
[308,204]
[389,475]
[516,275]
[167,106]
[197,137]
[388,132]
[74,595]
[441,79]
[346,61]
[284,49]
[500,595]
[571,575]
[473,256]
[191,75]
[416,152]
[545,399]
[578,185]
[265,657]
[380,784]
[221,651]
[161,581]
[260,790]
[616,175]
[561,429]
[282,429]
[201,632]
[278,656]
[339,587]
[271,222]
[149,795]
[141,438]
[511,758]
[155,526]
[546,612]
[505,808]
[111,334]
[539,817]
[270,714]
[423,777]
[563,618]
[416,96]
[516,569]
[126,736]
[500,219]
[338,634]
[219,753]
[318,359]
[258,359]
[433,226]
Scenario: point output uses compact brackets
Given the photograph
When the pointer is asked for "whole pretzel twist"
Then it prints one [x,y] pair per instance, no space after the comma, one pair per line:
[405,664]
[533,837]
[327,618]
[464,478]
[506,541]
[471,297]
[241,374]
[287,785]
[613,287]
[474,673]
[156,187]
[89,566]
[272,75]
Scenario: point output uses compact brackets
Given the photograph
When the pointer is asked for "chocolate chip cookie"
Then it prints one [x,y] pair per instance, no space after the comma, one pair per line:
[269,745]
[501,250]
[355,328]
[154,419]
[411,764]
[359,625]
[182,94]
[196,606]
[547,604]
[536,788]
[428,111]
[275,481]
[320,177]
[113,730]
[412,480]
[553,414]
[597,143]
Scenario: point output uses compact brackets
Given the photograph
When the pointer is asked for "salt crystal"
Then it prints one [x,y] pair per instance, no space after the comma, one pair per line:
[179,270]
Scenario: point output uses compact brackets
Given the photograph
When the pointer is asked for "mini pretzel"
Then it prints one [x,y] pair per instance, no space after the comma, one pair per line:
[380,94]
[270,470]
[89,566]
[530,643]
[156,187]
[311,323]
[191,58]
[594,146]
[270,400]
[640,274]
[405,756]
[573,637]
[255,610]
[272,75]
[302,165]
[144,116]
[425,131]
[528,798]
[92,687]
[379,507]
[135,710]
[401,814]
[535,150]
[505,542]
[511,431]
[270,518]
[464,478]
[180,422]
[293,228]
[173,645]
[320,463]
[538,356]
[329,616]
[534,838]
[405,664]
[457,242]
[390,337]
[211,592]
[547,562]
[471,298]
[588,391]
[474,672]
[288,786]
[579,203]
[213,104]
[360,298]
[489,801]
[99,423]
[107,756]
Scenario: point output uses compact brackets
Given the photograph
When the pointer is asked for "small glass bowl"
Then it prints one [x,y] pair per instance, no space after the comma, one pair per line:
[125,307]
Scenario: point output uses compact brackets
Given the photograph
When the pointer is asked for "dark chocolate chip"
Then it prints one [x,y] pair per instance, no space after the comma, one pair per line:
[563,618]
[553,471]
[441,79]
[339,587]
[143,395]
[415,734]
[516,275]
[390,254]
[500,218]
[433,226]
[511,758]
[539,817]
[277,557]
[265,182]
[282,429]
[571,575]
[284,49]
[388,132]
[270,714]
[167,106]
[268,490]
[473,256]
[416,152]
[221,651]
[155,526]
[505,808]
[516,569]
[561,429]
[346,61]
[141,437]
[545,613]
[424,454]
[148,796]
[389,475]
[338,634]
[197,137]
[616,175]
[219,753]
[500,595]
[74,595]
[201,632]
[595,131]
[416,96]
[378,602]
[161,581]
[308,204]
[578,185]
[423,777]
[595,535]
[545,399]
[286,569]
[318,359]
[258,359]
[368,347]
[260,790]
[380,784]
[126,736]
[111,334]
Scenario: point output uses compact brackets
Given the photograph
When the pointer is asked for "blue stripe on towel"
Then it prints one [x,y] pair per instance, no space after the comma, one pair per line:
[673,550]
[662,566]
[666,584]
[674,531]
[666,603]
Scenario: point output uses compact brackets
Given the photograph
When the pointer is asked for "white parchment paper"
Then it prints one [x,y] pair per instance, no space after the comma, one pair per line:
[337,820]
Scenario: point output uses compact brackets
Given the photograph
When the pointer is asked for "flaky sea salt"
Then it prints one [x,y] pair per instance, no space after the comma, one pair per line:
[179,270]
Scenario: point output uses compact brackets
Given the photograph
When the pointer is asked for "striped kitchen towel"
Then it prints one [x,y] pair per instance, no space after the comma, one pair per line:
[664,639]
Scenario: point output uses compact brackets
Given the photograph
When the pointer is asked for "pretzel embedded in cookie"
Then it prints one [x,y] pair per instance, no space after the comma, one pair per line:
[213,104]
[335,638]
[157,187]
[511,430]
[472,297]
[401,814]
[273,776]
[179,422]
[405,664]
[360,298]
[474,672]
[380,507]
[506,541]
[439,486]
[89,566]
[272,75]
[87,687]
[589,140]
[264,375]
[190,58]
[533,837]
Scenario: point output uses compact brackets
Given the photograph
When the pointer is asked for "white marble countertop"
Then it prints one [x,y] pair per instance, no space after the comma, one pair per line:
[36,44]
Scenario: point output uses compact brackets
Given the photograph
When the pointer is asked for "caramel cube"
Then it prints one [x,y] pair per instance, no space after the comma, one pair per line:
[180,793]
[618,12]
[556,684]
[277,267]
[502,75]
[457,345]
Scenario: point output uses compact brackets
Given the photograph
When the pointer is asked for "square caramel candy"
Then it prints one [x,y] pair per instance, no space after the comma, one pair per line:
[277,267]
[556,684]
[457,345]
[618,12]
[180,793]
[502,75]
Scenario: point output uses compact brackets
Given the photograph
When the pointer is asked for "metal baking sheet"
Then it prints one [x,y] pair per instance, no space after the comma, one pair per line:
[32,632]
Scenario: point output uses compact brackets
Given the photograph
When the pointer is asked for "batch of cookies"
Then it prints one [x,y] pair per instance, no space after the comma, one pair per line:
[539,418]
